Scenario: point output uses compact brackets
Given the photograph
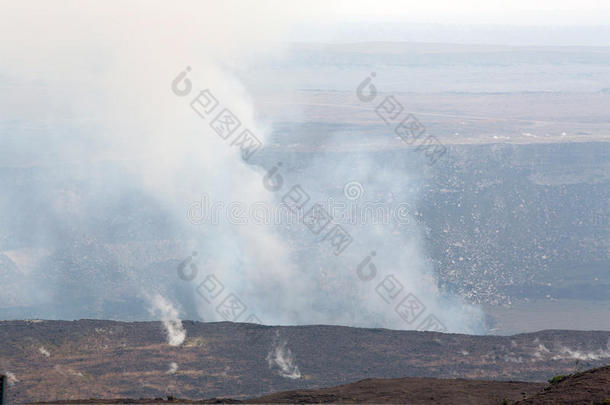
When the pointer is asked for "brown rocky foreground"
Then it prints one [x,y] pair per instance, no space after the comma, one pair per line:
[589,387]
[71,360]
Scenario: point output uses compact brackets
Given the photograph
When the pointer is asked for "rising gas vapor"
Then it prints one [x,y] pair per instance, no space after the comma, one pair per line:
[281,359]
[124,158]
[171,322]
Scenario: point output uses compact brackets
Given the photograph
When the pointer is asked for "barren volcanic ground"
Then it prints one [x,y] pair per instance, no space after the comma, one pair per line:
[587,387]
[105,359]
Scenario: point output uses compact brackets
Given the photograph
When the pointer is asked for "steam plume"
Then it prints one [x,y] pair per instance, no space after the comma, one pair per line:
[169,316]
[11,378]
[123,158]
[281,359]
[44,351]
[173,367]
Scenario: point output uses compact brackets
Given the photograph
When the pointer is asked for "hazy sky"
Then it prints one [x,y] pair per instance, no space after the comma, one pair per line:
[515,12]
[517,22]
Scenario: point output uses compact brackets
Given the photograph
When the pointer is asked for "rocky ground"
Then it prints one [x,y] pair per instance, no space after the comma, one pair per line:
[589,387]
[52,360]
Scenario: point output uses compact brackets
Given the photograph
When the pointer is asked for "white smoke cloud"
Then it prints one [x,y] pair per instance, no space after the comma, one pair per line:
[280,358]
[94,78]
[512,358]
[565,353]
[540,352]
[172,153]
[173,367]
[44,351]
[543,353]
[174,329]
[11,378]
